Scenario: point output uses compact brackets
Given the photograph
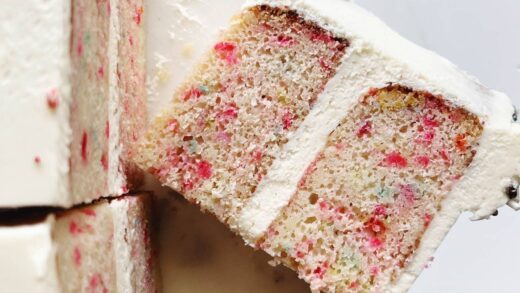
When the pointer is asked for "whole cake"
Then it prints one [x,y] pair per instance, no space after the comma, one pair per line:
[102,247]
[327,140]
[73,95]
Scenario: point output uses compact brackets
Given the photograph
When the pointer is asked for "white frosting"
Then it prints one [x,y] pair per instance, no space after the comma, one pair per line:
[376,55]
[28,257]
[178,33]
[34,60]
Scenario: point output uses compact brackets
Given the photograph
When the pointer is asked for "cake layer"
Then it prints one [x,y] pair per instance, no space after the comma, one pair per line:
[108,90]
[362,206]
[229,120]
[102,247]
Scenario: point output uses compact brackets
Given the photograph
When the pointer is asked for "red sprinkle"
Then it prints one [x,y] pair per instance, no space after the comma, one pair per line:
[193,93]
[37,160]
[428,122]
[89,212]
[74,229]
[321,270]
[287,119]
[365,129]
[107,129]
[79,47]
[173,126]
[426,138]
[204,169]
[284,40]
[104,161]
[94,281]
[379,210]
[84,145]
[53,99]
[138,15]
[322,37]
[227,51]
[257,155]
[445,157]
[460,142]
[77,256]
[101,72]
[427,219]
[396,160]
[422,161]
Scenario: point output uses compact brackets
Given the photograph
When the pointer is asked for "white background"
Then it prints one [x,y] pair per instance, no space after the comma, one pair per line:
[483,38]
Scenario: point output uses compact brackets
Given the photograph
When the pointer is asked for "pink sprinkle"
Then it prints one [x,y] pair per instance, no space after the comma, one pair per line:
[227,51]
[77,256]
[426,138]
[365,129]
[229,113]
[79,47]
[173,126]
[379,210]
[101,72]
[321,270]
[74,229]
[257,155]
[124,189]
[322,37]
[94,281]
[284,40]
[422,161]
[374,271]
[427,219]
[107,129]
[223,136]
[89,212]
[104,161]
[37,160]
[375,242]
[204,169]
[428,122]
[396,160]
[53,99]
[324,63]
[444,155]
[193,93]
[287,120]
[408,193]
[84,145]
[138,15]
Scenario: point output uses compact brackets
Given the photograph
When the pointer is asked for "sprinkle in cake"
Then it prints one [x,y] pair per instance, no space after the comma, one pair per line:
[325,139]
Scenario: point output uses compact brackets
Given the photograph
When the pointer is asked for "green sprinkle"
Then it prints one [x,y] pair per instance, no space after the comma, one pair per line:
[204,89]
[193,146]
[282,98]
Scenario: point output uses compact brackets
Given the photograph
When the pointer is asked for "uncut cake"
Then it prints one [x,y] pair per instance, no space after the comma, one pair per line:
[102,247]
[333,144]
[73,95]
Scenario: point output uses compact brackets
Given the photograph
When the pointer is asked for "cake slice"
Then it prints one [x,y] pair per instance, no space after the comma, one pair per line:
[102,247]
[73,93]
[338,147]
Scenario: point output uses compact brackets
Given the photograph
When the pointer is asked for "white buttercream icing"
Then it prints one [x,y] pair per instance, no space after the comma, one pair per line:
[34,64]
[28,257]
[179,32]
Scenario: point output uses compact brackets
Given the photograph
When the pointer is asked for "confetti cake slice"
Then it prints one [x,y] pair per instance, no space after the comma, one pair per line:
[327,140]
[72,100]
[102,247]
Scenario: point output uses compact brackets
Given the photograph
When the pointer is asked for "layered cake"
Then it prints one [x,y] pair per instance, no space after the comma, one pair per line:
[102,247]
[327,140]
[73,93]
